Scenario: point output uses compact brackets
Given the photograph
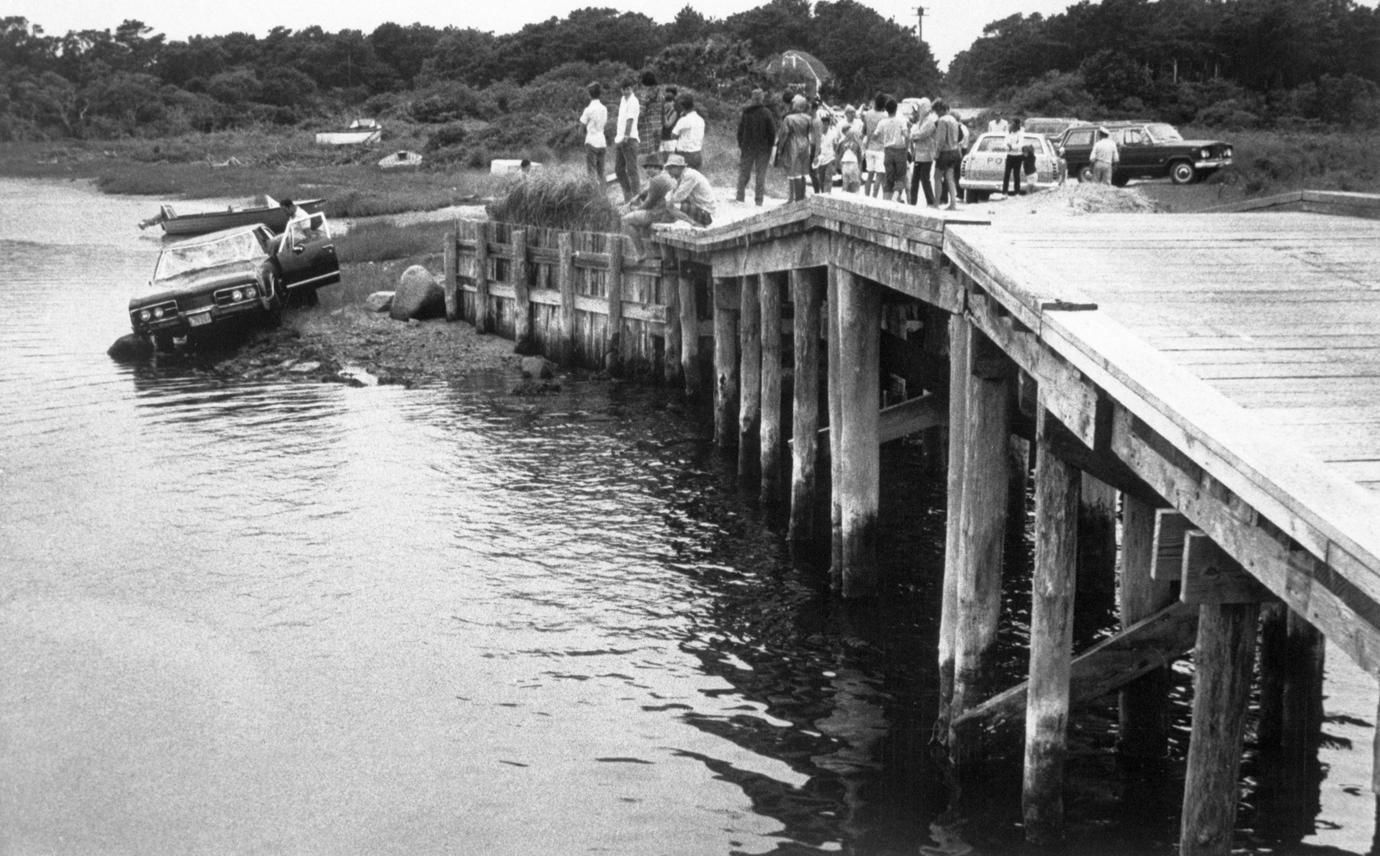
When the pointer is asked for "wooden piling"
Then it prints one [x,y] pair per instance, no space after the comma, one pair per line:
[749,376]
[770,432]
[1051,640]
[807,292]
[613,331]
[565,283]
[835,386]
[1096,555]
[860,313]
[689,331]
[726,300]
[959,372]
[522,290]
[451,277]
[1223,662]
[1144,705]
[481,276]
[670,287]
[982,521]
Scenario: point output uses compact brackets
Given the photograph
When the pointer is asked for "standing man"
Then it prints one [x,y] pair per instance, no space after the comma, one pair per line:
[893,135]
[689,131]
[793,146]
[756,137]
[625,141]
[873,154]
[595,117]
[923,151]
[948,144]
[1104,157]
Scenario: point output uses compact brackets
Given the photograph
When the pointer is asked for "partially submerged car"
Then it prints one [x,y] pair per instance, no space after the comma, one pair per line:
[982,168]
[231,278]
[1146,150]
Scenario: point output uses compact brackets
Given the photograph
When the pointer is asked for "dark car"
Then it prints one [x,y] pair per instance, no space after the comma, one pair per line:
[1048,127]
[1147,150]
[232,278]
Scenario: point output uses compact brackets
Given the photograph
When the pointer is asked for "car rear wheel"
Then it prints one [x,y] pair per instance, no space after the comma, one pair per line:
[1181,172]
[1085,174]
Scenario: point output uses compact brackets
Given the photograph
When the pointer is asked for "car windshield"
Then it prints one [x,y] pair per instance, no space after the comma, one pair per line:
[198,255]
[1163,133]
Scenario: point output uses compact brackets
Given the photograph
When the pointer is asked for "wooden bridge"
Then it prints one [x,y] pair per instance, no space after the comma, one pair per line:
[1219,371]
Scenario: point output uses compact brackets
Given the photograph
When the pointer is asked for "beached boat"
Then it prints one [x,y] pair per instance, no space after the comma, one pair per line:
[360,132]
[261,209]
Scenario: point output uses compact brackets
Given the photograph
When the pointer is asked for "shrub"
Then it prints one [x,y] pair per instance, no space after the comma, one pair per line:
[556,198]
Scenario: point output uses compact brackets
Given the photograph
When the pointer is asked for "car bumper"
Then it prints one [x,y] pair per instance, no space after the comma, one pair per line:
[203,318]
[994,185]
[1212,163]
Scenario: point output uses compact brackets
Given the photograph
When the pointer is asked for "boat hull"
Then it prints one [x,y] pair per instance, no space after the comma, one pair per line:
[274,217]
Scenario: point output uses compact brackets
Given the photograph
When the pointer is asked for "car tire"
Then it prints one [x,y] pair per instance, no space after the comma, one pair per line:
[163,343]
[1182,172]
[1085,174]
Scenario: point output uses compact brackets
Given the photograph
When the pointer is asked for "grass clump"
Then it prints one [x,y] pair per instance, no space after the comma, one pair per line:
[378,242]
[556,198]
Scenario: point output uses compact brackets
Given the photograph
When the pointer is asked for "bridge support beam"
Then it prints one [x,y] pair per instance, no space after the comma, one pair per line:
[859,394]
[1144,710]
[749,377]
[725,362]
[1051,640]
[982,509]
[953,540]
[771,286]
[807,294]
[835,382]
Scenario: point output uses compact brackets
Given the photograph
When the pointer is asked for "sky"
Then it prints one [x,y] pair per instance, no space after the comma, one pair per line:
[949,25]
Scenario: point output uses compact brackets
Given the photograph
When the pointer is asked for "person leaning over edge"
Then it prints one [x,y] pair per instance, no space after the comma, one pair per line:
[651,205]
[756,137]
[625,140]
[595,117]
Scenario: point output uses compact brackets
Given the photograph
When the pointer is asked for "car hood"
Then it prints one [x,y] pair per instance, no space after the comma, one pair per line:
[198,281]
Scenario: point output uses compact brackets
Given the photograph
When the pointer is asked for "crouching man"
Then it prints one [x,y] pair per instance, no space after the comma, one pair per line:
[693,198]
[652,204]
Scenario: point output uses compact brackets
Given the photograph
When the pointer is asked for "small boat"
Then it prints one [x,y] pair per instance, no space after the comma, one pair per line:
[360,132]
[401,159]
[261,209]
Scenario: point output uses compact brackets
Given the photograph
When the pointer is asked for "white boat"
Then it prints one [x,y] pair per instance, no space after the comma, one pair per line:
[360,132]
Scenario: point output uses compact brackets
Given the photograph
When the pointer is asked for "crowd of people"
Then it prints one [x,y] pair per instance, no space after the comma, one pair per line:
[895,150]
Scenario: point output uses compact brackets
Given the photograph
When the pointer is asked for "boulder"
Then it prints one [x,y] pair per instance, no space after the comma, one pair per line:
[379,301]
[419,295]
[129,347]
[538,367]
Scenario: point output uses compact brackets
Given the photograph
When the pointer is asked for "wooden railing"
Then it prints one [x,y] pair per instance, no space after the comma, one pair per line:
[572,296]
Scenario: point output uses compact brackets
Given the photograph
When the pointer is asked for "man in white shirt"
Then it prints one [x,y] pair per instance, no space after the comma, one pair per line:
[689,131]
[1104,156]
[625,141]
[595,117]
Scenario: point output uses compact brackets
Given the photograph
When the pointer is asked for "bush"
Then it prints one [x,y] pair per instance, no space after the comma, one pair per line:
[556,198]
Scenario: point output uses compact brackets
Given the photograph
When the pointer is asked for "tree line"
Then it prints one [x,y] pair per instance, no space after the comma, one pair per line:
[133,81]
[1226,62]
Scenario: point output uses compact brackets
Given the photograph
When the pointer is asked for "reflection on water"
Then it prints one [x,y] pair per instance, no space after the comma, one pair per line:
[293,617]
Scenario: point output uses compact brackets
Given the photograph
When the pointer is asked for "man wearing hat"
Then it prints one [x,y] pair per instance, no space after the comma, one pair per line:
[651,205]
[1104,155]
[693,198]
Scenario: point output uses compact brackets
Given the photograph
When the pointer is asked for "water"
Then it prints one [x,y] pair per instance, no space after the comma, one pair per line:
[262,617]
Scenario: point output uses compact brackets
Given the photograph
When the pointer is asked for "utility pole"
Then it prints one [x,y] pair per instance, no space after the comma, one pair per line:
[920,23]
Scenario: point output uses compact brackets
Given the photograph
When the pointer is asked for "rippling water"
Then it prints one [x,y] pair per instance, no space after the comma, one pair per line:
[306,618]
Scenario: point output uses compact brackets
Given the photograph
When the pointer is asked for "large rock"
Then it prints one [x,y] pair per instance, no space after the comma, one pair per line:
[129,347]
[538,367]
[419,295]
[379,301]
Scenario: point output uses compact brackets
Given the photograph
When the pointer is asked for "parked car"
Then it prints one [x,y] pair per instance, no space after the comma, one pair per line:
[981,170]
[1050,128]
[234,277]
[1147,150]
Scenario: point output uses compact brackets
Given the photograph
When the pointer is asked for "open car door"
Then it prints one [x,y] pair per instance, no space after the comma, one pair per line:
[306,254]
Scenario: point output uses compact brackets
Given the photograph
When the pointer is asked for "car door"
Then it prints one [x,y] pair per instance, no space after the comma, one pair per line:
[1139,155]
[306,254]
